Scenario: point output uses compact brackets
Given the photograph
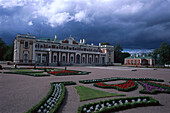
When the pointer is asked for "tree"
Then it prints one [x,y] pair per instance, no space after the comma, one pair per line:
[3,48]
[124,55]
[8,56]
[164,53]
[118,53]
[105,43]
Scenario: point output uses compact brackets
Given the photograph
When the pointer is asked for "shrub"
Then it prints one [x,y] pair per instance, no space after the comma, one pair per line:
[0,67]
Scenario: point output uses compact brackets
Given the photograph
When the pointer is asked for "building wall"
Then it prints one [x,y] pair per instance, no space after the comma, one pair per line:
[46,52]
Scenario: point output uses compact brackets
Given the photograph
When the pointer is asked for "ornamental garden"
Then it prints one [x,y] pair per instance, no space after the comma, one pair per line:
[56,96]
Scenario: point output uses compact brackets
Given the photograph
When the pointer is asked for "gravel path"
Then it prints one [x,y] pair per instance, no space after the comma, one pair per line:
[20,92]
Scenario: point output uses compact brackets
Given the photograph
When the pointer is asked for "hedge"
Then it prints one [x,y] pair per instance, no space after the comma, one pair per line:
[117,78]
[149,102]
[35,108]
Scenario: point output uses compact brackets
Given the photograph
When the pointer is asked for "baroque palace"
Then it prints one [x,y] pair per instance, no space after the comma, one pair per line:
[31,51]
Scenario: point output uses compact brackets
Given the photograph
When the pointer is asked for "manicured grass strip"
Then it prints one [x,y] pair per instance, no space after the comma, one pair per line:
[152,88]
[118,104]
[129,85]
[86,93]
[34,74]
[21,70]
[117,78]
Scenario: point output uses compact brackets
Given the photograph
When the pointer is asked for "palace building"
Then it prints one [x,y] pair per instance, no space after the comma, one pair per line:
[139,60]
[30,51]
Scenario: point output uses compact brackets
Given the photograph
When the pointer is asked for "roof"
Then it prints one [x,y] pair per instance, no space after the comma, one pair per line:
[139,57]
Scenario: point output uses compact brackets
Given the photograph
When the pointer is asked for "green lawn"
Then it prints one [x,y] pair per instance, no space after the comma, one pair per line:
[21,70]
[86,93]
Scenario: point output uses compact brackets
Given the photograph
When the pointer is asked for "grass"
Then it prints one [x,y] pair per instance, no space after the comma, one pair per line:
[21,70]
[86,93]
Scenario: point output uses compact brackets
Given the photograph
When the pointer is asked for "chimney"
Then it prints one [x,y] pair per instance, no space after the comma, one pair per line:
[55,37]
[80,41]
[84,41]
[99,44]
[137,55]
[92,44]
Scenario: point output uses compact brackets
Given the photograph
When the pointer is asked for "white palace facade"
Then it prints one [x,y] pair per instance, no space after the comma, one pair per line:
[30,51]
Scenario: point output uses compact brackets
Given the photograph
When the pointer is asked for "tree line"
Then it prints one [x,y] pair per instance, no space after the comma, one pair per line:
[6,51]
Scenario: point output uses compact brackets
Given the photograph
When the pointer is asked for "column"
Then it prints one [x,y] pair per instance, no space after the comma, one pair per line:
[33,56]
[18,51]
[87,58]
[50,57]
[41,58]
[59,56]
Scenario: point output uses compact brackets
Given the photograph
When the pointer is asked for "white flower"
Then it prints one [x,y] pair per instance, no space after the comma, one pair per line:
[91,108]
[113,102]
[144,100]
[133,100]
[138,100]
[126,101]
[88,111]
[39,111]
[84,109]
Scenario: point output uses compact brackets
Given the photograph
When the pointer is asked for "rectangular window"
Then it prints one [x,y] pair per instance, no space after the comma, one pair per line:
[130,61]
[137,61]
[26,44]
[133,61]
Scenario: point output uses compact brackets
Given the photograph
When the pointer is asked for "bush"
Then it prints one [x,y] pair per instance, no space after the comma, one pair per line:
[0,67]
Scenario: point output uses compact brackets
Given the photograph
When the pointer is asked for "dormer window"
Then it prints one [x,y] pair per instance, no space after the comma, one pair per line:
[26,44]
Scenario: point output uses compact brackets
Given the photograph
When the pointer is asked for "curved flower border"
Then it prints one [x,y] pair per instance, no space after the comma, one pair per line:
[126,86]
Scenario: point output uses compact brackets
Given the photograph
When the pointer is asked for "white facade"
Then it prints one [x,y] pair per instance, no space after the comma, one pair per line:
[29,50]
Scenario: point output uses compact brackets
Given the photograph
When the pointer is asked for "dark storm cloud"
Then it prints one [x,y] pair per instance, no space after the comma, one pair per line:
[132,23]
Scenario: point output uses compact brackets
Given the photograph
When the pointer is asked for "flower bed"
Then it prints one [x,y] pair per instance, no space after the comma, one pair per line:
[117,104]
[117,78]
[52,101]
[66,72]
[153,88]
[126,86]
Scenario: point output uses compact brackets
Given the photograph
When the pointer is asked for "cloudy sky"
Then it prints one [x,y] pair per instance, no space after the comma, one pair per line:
[135,24]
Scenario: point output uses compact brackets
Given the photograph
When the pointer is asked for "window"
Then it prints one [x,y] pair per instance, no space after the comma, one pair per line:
[69,48]
[56,47]
[130,61]
[64,58]
[71,59]
[49,46]
[75,49]
[44,58]
[109,60]
[64,47]
[26,57]
[35,45]
[90,60]
[133,61]
[83,59]
[126,61]
[109,52]
[41,46]
[137,61]
[26,44]
[55,59]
